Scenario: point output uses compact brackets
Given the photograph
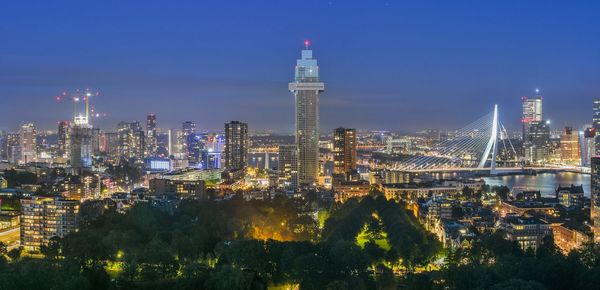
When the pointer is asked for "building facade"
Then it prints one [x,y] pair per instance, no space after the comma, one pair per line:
[64,140]
[131,140]
[43,218]
[235,151]
[569,147]
[27,141]
[288,166]
[306,88]
[344,150]
[151,137]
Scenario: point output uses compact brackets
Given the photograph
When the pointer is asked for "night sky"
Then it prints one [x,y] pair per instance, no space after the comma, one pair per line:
[389,65]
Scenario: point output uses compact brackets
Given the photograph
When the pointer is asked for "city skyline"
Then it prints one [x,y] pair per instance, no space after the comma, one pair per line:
[469,54]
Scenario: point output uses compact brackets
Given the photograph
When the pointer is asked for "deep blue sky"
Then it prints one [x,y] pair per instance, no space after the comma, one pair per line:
[396,65]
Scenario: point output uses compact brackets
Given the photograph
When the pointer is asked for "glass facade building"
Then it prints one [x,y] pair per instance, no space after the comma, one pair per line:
[306,88]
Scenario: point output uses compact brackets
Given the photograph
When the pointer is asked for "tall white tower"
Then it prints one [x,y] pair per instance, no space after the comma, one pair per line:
[306,88]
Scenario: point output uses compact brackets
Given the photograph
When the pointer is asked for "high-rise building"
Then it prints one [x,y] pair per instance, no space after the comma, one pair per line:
[27,141]
[235,152]
[595,197]
[596,124]
[43,218]
[109,144]
[64,140]
[588,146]
[81,138]
[344,150]
[537,142]
[151,137]
[13,148]
[531,116]
[176,144]
[306,88]
[188,129]
[288,166]
[131,141]
[569,147]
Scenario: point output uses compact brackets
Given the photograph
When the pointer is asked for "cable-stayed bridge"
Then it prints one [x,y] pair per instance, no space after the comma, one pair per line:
[473,147]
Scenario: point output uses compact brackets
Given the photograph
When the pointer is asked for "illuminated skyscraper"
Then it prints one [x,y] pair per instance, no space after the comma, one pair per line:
[569,147]
[306,88]
[537,142]
[64,139]
[81,136]
[151,141]
[596,124]
[533,126]
[588,146]
[131,141]
[235,153]
[27,141]
[344,150]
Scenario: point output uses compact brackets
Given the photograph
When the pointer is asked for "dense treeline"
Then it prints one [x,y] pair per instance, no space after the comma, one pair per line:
[231,244]
[234,244]
[495,263]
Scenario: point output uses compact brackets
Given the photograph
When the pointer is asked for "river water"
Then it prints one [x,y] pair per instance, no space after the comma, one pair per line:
[546,183]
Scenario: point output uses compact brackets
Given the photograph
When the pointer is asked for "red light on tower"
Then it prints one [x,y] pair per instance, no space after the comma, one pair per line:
[306,43]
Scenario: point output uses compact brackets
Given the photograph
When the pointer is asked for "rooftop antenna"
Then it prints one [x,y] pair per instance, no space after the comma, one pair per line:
[306,44]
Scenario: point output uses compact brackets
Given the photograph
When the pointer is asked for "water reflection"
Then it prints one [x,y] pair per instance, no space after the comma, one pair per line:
[546,183]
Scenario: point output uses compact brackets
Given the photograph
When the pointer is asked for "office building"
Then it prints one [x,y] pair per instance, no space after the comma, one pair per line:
[344,151]
[151,137]
[306,88]
[27,141]
[176,144]
[43,218]
[537,142]
[531,117]
[109,144]
[13,148]
[596,124]
[235,152]
[81,147]
[64,140]
[288,166]
[588,146]
[131,141]
[569,147]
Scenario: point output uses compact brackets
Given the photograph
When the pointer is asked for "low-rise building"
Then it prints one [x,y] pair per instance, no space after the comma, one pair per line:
[570,236]
[194,189]
[528,232]
[348,189]
[569,196]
